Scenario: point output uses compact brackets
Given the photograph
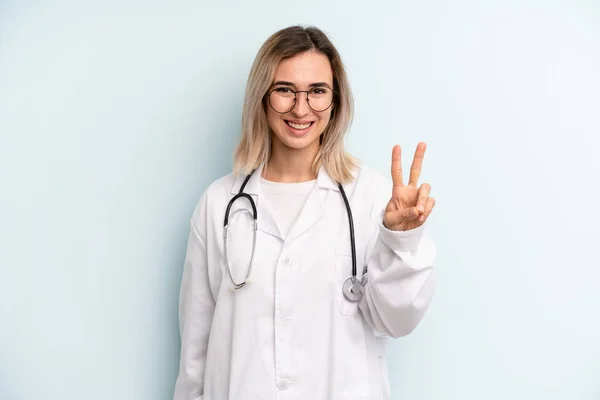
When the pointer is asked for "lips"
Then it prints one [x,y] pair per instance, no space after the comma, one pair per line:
[299,128]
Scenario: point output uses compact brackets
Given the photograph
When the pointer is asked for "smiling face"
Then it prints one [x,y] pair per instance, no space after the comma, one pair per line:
[299,129]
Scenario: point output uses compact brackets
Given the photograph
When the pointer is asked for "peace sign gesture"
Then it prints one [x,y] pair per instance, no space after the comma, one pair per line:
[410,205]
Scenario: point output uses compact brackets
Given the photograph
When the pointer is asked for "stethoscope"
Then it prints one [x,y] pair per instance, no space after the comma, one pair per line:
[352,287]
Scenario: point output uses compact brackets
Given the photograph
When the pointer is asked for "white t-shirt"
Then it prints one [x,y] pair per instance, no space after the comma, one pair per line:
[286,200]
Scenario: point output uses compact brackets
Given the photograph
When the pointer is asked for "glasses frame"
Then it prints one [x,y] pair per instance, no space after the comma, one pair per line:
[333,92]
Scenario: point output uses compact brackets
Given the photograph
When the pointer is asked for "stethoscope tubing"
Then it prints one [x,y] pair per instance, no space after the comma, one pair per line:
[352,289]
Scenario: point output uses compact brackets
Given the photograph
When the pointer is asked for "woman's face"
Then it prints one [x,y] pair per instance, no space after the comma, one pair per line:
[301,127]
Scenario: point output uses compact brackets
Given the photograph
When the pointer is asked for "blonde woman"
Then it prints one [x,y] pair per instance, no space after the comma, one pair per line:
[301,263]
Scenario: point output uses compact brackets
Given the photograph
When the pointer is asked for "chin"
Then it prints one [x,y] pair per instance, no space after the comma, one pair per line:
[301,146]
[298,142]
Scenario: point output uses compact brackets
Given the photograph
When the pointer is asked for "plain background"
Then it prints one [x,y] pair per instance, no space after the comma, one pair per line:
[115,117]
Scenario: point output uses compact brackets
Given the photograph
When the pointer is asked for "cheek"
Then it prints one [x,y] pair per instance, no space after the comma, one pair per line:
[273,119]
[324,120]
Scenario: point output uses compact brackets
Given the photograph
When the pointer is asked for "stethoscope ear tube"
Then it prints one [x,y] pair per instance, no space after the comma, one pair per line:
[237,196]
[226,228]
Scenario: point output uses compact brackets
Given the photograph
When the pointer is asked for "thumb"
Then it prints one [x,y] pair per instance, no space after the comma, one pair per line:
[410,213]
[400,216]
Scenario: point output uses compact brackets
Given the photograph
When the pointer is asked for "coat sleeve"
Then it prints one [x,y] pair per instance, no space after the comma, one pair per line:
[400,276]
[196,308]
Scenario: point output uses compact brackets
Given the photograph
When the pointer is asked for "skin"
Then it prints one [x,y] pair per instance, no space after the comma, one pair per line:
[410,204]
[292,153]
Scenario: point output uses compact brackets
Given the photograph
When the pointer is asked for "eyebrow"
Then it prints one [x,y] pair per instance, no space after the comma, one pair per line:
[316,84]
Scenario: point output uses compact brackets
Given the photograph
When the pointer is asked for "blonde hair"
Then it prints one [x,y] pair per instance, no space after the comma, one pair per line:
[254,148]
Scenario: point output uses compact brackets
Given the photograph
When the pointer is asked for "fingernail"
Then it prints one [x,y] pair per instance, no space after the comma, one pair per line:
[421,208]
[422,218]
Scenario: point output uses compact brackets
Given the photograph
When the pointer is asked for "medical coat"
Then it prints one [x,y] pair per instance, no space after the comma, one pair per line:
[290,333]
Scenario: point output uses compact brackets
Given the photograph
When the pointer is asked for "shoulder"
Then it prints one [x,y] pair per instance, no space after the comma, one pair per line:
[366,172]
[370,178]
[221,187]
[373,186]
[215,195]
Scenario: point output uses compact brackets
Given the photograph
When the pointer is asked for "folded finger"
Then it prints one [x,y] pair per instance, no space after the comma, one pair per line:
[422,196]
[428,209]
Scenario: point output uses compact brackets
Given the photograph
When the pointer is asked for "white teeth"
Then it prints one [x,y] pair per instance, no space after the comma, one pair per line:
[297,126]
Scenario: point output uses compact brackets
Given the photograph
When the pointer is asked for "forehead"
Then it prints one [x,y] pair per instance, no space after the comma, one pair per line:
[304,69]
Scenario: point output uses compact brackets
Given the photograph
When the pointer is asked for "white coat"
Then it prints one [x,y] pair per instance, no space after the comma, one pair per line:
[290,333]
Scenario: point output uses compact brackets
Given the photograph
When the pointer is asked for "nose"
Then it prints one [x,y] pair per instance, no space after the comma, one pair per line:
[301,107]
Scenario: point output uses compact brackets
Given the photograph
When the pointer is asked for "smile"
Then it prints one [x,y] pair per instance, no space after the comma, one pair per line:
[299,127]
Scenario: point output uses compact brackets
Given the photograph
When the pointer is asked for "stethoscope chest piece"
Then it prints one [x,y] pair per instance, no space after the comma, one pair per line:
[352,289]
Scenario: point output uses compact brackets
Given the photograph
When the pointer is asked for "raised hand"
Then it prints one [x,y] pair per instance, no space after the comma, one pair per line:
[410,204]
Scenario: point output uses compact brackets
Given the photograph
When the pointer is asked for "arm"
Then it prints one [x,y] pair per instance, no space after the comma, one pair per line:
[400,256]
[400,279]
[196,308]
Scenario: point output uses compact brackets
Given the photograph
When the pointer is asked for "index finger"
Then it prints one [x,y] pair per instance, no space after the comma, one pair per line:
[397,166]
[415,169]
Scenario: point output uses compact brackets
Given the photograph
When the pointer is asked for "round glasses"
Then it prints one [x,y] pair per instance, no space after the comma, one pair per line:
[283,99]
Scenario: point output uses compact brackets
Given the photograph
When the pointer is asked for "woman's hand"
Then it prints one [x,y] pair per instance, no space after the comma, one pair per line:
[410,205]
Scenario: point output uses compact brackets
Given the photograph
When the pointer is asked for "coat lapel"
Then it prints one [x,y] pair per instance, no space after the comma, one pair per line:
[266,221]
[313,209]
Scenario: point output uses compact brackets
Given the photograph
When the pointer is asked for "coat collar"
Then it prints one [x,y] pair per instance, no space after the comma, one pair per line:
[310,214]
[324,181]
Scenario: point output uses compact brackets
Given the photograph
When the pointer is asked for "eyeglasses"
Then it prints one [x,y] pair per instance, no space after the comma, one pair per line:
[283,99]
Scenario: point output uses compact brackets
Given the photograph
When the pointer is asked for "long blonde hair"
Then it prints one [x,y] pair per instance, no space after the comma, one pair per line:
[254,148]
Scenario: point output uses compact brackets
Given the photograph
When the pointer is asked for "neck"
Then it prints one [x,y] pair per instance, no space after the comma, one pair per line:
[290,165]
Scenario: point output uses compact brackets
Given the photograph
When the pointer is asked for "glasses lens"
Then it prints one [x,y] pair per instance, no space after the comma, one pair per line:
[282,99]
[320,98]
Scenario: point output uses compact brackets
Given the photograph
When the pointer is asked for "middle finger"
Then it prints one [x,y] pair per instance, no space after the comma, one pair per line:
[415,169]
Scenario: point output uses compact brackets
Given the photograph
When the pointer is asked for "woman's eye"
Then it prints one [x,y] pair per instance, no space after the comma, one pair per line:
[318,91]
[283,90]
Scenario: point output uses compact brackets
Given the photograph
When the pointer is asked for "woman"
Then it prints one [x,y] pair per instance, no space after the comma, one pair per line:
[339,262]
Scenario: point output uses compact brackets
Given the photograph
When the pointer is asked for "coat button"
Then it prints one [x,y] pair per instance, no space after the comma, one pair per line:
[283,385]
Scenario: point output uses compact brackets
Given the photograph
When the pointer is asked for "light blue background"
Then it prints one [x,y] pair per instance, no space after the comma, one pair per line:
[115,117]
